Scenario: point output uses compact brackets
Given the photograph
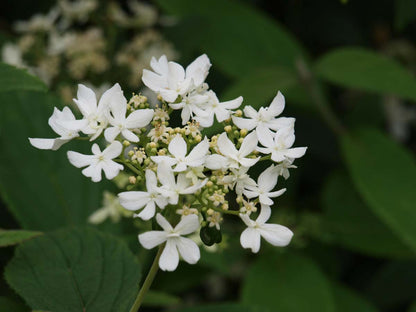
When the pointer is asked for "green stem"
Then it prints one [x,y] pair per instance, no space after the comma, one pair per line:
[147,282]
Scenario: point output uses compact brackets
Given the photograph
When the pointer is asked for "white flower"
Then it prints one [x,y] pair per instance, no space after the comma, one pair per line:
[93,113]
[111,209]
[38,22]
[11,54]
[171,188]
[222,111]
[177,147]
[265,118]
[170,79]
[191,106]
[63,123]
[233,157]
[239,179]
[175,244]
[280,146]
[149,199]
[266,182]
[275,234]
[283,167]
[98,161]
[120,124]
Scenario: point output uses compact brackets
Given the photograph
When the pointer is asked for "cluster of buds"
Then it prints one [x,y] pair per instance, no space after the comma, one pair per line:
[177,175]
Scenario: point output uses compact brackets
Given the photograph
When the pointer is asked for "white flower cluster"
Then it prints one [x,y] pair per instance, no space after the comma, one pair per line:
[177,175]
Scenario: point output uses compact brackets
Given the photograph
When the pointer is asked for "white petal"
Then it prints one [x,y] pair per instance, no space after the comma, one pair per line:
[277,105]
[197,156]
[277,193]
[244,123]
[198,69]
[153,81]
[113,150]
[160,66]
[246,219]
[169,259]
[163,223]
[177,147]
[265,136]
[249,162]
[249,144]
[232,104]
[275,234]
[189,250]
[47,144]
[151,180]
[187,225]
[133,200]
[215,162]
[295,152]
[264,214]
[166,159]
[250,112]
[93,171]
[129,136]
[111,133]
[165,175]
[250,238]
[113,94]
[264,199]
[111,169]
[148,212]
[268,179]
[225,146]
[86,102]
[139,118]
[152,239]
[79,160]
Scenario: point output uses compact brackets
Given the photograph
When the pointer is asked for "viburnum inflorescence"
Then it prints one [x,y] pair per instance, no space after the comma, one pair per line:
[177,175]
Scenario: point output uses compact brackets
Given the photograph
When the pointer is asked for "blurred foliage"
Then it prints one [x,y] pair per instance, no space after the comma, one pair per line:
[346,69]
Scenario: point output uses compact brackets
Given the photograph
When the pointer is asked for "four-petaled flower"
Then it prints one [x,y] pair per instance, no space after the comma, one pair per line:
[175,244]
[275,234]
[98,161]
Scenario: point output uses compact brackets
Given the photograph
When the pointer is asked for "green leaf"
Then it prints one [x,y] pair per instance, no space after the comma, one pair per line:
[412,307]
[287,283]
[160,299]
[41,188]
[353,225]
[405,13]
[13,237]
[225,307]
[366,70]
[385,175]
[8,305]
[236,36]
[347,300]
[393,284]
[13,79]
[75,270]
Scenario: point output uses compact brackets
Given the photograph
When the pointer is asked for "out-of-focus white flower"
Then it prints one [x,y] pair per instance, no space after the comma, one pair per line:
[178,148]
[266,182]
[11,54]
[99,161]
[78,10]
[175,244]
[63,123]
[38,22]
[265,118]
[280,146]
[149,199]
[111,209]
[233,157]
[172,188]
[275,234]
[58,43]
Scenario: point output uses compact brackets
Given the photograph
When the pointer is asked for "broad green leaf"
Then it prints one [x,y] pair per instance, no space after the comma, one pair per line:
[287,283]
[160,299]
[413,307]
[385,175]
[352,224]
[13,237]
[366,70]
[75,270]
[225,307]
[405,13]
[346,300]
[236,36]
[8,305]
[14,79]
[41,188]
[392,284]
